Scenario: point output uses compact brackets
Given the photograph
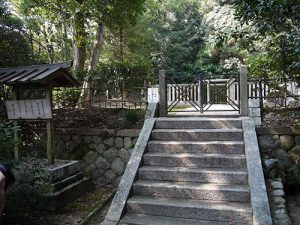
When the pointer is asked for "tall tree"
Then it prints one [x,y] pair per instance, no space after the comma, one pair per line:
[179,37]
[277,26]
[14,47]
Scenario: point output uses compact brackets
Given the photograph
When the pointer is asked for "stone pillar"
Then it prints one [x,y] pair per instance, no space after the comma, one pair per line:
[243,90]
[163,101]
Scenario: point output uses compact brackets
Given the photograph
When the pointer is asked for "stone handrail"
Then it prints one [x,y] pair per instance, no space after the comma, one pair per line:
[118,203]
[259,198]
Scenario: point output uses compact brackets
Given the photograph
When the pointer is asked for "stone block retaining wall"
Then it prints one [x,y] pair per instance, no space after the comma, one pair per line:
[279,146]
[278,207]
[280,150]
[103,154]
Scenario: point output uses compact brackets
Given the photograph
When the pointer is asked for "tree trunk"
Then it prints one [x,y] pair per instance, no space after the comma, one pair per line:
[66,47]
[49,46]
[80,41]
[97,46]
[121,44]
[86,94]
[31,42]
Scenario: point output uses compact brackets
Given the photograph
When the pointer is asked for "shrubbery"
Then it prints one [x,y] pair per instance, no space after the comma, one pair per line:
[132,116]
[24,198]
[7,141]
[32,181]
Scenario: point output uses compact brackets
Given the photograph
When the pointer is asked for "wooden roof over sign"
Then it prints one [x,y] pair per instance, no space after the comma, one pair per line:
[39,75]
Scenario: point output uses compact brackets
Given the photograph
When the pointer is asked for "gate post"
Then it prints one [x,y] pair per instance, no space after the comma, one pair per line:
[163,101]
[243,90]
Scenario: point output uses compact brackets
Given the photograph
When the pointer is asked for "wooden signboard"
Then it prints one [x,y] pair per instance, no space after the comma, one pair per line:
[36,109]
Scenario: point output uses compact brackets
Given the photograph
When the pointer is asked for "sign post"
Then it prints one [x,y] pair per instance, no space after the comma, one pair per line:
[35,109]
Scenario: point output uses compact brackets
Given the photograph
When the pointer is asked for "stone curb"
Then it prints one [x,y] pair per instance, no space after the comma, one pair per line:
[92,214]
[152,110]
[259,198]
[118,203]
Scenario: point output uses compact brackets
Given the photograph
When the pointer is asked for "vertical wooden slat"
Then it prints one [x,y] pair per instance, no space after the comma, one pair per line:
[243,90]
[16,96]
[50,130]
[163,104]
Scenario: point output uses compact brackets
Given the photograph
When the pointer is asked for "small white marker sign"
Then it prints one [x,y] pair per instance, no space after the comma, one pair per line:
[153,95]
[29,109]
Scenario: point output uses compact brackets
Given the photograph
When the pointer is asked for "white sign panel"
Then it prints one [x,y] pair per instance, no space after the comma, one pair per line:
[153,95]
[29,109]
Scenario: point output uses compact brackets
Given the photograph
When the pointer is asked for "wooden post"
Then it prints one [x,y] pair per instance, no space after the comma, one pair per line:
[16,96]
[50,130]
[163,101]
[201,93]
[243,90]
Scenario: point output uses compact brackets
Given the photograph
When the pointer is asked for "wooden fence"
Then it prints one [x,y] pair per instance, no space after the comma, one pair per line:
[270,93]
[134,98]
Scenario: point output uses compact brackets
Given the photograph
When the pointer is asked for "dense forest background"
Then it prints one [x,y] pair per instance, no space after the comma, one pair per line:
[134,39]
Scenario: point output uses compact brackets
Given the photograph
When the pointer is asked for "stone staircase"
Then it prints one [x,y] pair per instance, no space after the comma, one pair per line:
[194,172]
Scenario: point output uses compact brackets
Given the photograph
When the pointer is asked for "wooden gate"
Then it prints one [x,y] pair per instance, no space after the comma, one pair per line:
[202,93]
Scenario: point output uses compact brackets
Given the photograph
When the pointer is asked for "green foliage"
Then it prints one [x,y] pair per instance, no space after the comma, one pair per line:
[34,143]
[292,176]
[7,141]
[211,62]
[132,116]
[276,25]
[179,36]
[32,181]
[14,47]
[65,97]
[55,26]
[121,76]
[260,66]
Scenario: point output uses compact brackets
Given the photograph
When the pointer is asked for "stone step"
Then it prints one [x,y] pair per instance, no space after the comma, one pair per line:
[198,134]
[206,114]
[189,190]
[65,182]
[191,209]
[63,169]
[225,147]
[143,219]
[56,200]
[195,160]
[198,123]
[203,175]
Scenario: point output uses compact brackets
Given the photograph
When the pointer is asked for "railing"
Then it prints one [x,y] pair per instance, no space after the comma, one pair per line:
[135,98]
[274,94]
[283,95]
[202,93]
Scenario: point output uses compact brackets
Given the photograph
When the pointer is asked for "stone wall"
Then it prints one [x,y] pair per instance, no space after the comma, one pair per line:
[280,151]
[103,154]
[277,202]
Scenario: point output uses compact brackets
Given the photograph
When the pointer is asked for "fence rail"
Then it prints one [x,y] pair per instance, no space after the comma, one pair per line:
[134,98]
[269,92]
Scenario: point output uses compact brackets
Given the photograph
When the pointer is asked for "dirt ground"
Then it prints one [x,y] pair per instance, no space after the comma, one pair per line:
[281,118]
[93,118]
[71,214]
[293,204]
[96,118]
